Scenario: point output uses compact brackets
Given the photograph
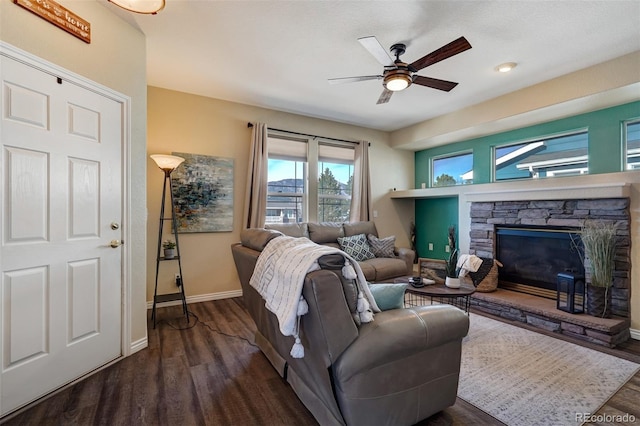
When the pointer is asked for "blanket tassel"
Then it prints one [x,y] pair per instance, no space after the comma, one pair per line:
[297,351]
[303,307]
[364,309]
[348,272]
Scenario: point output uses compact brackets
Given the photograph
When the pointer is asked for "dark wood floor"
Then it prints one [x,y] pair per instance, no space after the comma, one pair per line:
[212,374]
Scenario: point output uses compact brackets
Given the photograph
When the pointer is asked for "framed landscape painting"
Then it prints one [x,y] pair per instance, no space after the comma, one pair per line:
[203,193]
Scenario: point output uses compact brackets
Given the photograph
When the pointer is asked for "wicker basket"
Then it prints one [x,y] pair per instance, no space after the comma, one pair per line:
[486,281]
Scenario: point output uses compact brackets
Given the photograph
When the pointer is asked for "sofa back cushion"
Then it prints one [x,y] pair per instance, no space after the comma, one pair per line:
[257,238]
[355,228]
[290,229]
[325,232]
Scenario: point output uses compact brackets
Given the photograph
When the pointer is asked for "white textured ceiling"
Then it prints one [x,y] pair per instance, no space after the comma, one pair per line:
[279,54]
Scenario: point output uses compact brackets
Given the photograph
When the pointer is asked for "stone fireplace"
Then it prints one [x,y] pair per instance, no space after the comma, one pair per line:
[551,219]
[557,215]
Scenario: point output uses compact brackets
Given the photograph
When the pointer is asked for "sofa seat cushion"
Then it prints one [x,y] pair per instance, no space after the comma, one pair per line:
[368,270]
[385,268]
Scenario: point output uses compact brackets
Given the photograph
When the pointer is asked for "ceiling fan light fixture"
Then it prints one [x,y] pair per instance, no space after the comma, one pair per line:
[506,67]
[397,80]
[147,7]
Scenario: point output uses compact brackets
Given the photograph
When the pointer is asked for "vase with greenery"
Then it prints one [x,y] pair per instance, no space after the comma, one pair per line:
[599,242]
[451,265]
[169,247]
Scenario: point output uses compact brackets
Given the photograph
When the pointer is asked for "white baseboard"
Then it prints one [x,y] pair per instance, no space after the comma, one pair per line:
[200,298]
[635,334]
[138,345]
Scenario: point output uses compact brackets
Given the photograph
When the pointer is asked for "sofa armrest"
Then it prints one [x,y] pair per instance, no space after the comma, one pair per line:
[408,256]
[400,333]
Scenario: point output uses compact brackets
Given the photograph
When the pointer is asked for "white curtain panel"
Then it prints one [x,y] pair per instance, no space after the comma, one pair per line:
[255,202]
[361,195]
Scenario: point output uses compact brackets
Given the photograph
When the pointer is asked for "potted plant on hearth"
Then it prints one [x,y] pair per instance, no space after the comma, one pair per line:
[451,266]
[169,247]
[599,242]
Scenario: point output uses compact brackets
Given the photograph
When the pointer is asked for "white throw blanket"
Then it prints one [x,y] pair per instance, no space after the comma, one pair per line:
[468,263]
[279,276]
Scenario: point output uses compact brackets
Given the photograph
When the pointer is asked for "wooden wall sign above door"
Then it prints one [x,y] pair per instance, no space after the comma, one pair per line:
[59,16]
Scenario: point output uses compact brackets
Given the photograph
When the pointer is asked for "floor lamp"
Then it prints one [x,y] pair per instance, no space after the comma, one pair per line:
[168,163]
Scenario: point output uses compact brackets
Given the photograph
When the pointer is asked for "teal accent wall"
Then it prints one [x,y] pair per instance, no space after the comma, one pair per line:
[605,142]
[434,216]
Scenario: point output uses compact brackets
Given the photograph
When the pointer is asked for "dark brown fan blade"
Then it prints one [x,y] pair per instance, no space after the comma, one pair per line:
[375,48]
[447,51]
[434,83]
[354,79]
[385,96]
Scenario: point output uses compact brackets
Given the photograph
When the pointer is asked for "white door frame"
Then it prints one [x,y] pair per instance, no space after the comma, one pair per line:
[27,58]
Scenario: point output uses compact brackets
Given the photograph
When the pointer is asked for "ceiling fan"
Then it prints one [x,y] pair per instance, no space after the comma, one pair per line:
[398,75]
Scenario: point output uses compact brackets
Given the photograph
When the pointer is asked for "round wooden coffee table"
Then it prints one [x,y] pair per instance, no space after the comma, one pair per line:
[440,293]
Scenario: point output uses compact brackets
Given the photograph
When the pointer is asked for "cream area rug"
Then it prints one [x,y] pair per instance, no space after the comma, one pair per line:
[521,377]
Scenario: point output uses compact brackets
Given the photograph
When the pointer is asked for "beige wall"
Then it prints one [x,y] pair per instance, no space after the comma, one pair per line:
[181,122]
[116,58]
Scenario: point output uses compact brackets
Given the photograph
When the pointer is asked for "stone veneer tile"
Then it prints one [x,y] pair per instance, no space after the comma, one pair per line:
[572,213]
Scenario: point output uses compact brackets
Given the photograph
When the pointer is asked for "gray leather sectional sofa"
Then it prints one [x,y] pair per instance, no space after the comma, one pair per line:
[378,269]
[397,370]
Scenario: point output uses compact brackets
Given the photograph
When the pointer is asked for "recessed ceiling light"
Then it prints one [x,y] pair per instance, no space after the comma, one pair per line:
[506,67]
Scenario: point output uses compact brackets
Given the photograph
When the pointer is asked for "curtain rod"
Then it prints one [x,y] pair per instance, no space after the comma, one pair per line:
[250,125]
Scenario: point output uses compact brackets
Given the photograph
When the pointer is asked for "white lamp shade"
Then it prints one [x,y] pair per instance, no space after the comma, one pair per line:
[140,6]
[167,162]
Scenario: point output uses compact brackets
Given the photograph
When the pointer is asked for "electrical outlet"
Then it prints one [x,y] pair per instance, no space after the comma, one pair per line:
[430,246]
[178,280]
[446,248]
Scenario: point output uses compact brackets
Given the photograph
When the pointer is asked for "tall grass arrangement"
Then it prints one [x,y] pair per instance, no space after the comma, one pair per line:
[599,241]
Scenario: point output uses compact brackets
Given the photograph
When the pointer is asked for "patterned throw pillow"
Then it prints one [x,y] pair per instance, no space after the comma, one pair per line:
[356,246]
[382,247]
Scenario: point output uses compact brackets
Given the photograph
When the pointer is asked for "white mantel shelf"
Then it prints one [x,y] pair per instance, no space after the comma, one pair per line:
[498,192]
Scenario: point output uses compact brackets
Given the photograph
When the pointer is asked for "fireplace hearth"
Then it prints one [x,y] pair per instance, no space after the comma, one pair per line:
[534,269]
[556,214]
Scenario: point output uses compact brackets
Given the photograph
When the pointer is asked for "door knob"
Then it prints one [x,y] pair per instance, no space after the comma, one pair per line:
[116,243]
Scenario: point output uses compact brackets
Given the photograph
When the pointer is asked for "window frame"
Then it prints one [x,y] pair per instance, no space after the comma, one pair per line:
[432,177]
[542,138]
[625,147]
[311,195]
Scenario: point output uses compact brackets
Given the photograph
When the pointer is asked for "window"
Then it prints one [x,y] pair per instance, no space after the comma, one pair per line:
[335,182]
[286,187]
[632,141]
[292,196]
[451,170]
[564,155]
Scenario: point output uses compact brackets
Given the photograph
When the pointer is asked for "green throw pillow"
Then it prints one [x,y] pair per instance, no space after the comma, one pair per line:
[388,296]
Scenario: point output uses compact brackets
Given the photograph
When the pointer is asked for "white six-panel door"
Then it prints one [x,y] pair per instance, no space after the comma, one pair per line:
[60,209]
